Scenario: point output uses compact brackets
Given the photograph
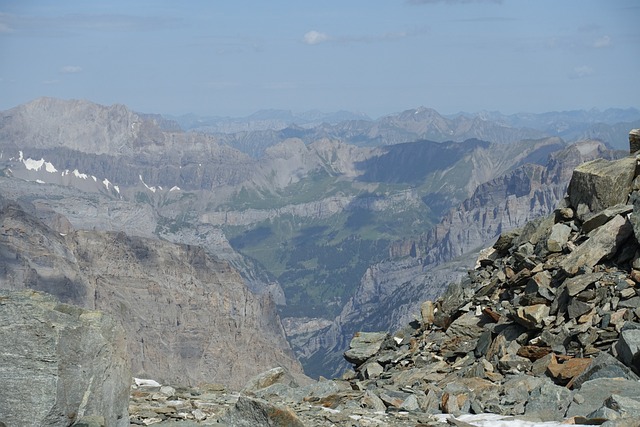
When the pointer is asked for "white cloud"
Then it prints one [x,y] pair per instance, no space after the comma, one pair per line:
[315,37]
[603,41]
[581,72]
[70,69]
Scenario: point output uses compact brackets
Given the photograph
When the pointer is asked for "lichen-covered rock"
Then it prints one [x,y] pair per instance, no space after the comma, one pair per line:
[60,363]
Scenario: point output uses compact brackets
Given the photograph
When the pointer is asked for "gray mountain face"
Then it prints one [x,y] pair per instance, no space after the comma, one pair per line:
[188,317]
[312,214]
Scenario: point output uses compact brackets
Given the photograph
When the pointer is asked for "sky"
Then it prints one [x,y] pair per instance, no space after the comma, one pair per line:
[235,57]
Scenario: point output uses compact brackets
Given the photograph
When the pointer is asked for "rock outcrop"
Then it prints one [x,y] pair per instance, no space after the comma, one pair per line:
[188,316]
[60,364]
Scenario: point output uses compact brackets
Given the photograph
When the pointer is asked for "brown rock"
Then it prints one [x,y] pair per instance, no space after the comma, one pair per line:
[533,352]
[570,368]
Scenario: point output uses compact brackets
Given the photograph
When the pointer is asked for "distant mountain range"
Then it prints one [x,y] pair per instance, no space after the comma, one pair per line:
[336,222]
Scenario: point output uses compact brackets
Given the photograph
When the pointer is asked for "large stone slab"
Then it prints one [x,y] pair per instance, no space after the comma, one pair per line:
[593,393]
[601,183]
[60,363]
[602,243]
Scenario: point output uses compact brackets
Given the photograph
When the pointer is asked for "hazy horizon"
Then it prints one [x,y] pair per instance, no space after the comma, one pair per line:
[232,59]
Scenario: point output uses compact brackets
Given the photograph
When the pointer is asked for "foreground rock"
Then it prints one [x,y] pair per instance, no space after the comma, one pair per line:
[60,364]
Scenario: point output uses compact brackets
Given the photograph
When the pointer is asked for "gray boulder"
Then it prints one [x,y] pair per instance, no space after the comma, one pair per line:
[604,366]
[600,184]
[558,237]
[593,394]
[602,243]
[549,402]
[60,363]
[628,348]
[249,412]
[363,346]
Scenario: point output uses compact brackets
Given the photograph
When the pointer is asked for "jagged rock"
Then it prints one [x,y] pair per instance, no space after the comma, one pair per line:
[91,421]
[548,402]
[594,392]
[605,216]
[506,239]
[567,370]
[627,407]
[558,237]
[603,242]
[577,308]
[363,346]
[273,376]
[577,284]
[60,363]
[532,316]
[372,401]
[600,184]
[249,412]
[628,348]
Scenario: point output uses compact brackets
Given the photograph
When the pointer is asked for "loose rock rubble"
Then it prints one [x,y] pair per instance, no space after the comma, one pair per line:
[546,328]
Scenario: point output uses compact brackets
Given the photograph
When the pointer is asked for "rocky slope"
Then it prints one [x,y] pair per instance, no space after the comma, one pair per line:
[310,216]
[389,293]
[545,328]
[187,315]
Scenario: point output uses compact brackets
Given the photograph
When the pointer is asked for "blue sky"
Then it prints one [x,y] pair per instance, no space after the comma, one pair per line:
[232,58]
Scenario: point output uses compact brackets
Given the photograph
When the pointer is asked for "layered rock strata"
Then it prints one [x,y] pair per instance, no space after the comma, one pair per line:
[60,364]
[188,316]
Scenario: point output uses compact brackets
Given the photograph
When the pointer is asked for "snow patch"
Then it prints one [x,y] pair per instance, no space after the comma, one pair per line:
[494,420]
[39,181]
[106,183]
[94,178]
[80,175]
[174,188]
[36,165]
[115,187]
[152,189]
[146,383]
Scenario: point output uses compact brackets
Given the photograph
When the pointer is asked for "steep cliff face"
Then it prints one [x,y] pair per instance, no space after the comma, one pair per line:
[188,317]
[60,363]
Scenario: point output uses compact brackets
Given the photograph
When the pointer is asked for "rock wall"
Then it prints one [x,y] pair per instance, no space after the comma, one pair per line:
[60,363]
[189,318]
